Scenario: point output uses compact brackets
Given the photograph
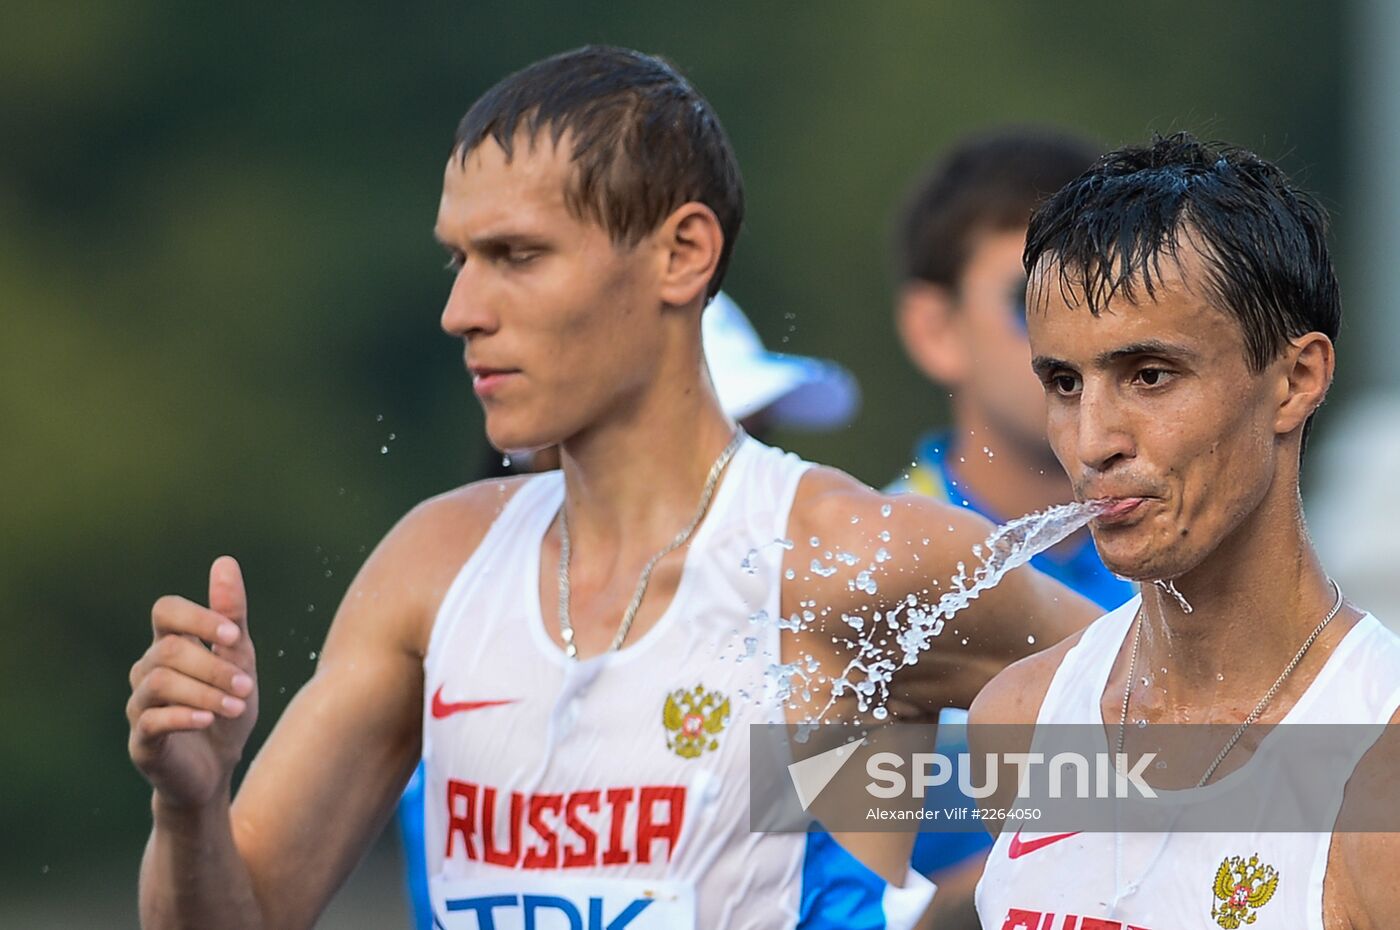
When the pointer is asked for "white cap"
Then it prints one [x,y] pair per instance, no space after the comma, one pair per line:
[797,392]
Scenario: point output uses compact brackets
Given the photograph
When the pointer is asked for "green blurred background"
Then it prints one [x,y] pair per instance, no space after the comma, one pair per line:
[220,292]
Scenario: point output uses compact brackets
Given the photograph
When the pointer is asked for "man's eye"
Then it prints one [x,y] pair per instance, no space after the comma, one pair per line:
[520,257]
[1153,377]
[1065,385]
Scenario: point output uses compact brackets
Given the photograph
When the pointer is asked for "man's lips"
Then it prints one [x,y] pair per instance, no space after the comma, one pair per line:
[486,381]
[1117,509]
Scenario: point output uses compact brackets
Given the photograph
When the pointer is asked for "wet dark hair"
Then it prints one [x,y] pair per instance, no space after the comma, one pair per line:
[1263,240]
[644,141]
[988,183]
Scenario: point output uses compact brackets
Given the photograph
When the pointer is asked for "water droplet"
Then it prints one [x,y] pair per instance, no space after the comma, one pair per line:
[329,573]
[311,608]
[886,510]
[281,653]
[789,574]
[1142,724]
[879,713]
[884,536]
[814,542]
[855,520]
[383,450]
[1031,640]
[1219,676]
[312,656]
[379,418]
[392,437]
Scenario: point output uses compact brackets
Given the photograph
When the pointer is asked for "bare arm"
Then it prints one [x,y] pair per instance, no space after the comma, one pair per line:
[909,546]
[1355,897]
[902,547]
[326,781]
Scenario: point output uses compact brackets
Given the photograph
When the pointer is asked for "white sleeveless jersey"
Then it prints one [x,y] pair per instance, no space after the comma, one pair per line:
[614,792]
[1157,881]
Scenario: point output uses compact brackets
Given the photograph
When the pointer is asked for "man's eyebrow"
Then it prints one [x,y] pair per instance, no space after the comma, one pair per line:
[1148,347]
[491,242]
[1044,364]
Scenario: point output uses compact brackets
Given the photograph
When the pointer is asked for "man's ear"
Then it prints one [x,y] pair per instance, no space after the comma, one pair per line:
[927,321]
[1306,373]
[690,242]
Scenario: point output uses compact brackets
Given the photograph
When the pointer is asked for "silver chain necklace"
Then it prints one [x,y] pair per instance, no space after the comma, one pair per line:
[566,627]
[1259,708]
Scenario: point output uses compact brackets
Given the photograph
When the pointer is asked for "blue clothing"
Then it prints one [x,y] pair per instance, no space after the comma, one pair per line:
[1081,571]
[414,853]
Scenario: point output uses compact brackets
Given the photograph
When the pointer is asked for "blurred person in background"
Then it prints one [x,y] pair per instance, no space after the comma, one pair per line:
[961,315]
[762,391]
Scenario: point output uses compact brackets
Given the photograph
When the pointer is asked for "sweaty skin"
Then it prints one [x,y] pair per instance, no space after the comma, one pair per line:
[573,340]
[1153,403]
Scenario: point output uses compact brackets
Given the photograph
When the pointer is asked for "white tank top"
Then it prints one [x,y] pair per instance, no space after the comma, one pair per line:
[612,792]
[1156,881]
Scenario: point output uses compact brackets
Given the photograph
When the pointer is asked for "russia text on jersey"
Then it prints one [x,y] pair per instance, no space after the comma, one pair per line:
[1018,919]
[578,829]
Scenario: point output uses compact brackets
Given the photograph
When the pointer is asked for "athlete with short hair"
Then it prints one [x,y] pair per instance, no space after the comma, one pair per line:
[577,655]
[1183,310]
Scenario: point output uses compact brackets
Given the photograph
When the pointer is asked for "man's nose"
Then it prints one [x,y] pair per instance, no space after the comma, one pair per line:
[467,312]
[1105,437]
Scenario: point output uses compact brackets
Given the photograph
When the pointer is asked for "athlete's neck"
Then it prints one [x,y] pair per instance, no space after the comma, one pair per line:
[1254,601]
[634,479]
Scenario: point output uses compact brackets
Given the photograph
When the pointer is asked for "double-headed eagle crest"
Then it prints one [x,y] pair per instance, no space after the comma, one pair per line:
[694,718]
[1242,886]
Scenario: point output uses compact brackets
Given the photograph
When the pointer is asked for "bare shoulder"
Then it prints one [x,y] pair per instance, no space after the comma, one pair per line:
[418,559]
[1014,696]
[832,504]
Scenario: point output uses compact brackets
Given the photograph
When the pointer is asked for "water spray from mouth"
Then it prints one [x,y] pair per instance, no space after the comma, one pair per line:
[887,645]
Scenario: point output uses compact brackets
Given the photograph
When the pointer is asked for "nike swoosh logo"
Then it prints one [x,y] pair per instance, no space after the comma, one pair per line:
[1019,849]
[443,708]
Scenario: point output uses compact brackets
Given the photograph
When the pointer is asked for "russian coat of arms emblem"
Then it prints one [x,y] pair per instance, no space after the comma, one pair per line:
[694,719]
[1242,886]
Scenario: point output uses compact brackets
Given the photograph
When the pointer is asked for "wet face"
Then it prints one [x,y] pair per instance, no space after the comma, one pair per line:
[1154,406]
[542,298]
